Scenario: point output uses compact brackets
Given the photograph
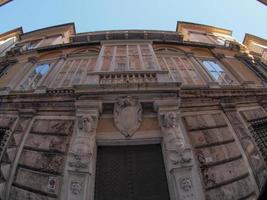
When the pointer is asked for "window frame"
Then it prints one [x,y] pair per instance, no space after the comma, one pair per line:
[72,58]
[231,77]
[172,53]
[214,39]
[142,57]
[51,64]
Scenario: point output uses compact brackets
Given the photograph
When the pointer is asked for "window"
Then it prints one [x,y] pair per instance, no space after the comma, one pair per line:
[6,44]
[35,76]
[127,57]
[32,44]
[3,69]
[209,38]
[180,67]
[217,72]
[75,70]
[259,131]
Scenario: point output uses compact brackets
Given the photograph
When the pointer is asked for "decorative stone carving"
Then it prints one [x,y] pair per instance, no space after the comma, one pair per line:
[127,115]
[86,124]
[174,141]
[51,187]
[79,178]
[76,187]
[185,184]
[84,143]
[77,163]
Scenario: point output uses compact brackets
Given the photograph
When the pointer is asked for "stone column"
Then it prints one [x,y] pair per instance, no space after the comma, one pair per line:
[183,178]
[79,175]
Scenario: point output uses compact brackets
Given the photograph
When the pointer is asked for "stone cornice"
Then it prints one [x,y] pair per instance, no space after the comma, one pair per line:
[222,92]
[138,88]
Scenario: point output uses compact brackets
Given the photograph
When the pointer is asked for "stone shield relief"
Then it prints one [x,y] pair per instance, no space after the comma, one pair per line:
[127,115]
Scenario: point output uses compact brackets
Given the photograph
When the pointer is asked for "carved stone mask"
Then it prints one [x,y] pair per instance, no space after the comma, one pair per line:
[75,187]
[185,184]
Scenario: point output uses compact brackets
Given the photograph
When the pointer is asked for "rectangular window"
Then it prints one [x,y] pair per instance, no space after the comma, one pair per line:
[259,131]
[180,68]
[74,71]
[32,44]
[127,57]
[207,38]
[217,72]
[35,76]
[6,45]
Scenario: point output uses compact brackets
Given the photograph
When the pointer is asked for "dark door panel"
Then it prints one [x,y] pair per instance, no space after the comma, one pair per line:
[130,173]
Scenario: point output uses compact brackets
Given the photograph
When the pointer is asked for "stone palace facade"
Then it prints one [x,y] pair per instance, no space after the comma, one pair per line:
[132,115]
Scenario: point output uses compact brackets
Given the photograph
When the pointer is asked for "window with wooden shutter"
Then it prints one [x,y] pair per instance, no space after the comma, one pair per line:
[127,57]
[75,69]
[35,76]
[180,67]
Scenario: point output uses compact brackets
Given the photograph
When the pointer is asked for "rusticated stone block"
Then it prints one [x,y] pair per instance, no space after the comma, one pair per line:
[64,127]
[210,155]
[47,142]
[37,181]
[253,114]
[204,121]
[224,172]
[205,137]
[42,160]
[6,121]
[235,190]
[20,194]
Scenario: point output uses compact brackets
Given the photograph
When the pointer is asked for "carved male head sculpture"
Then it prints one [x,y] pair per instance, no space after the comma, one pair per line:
[85,123]
[169,120]
[185,184]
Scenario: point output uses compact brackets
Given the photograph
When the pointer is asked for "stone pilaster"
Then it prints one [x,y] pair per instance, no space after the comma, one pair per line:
[248,148]
[14,151]
[79,176]
[183,184]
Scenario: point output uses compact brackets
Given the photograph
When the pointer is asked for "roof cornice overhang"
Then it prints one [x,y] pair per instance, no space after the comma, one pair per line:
[80,44]
[181,24]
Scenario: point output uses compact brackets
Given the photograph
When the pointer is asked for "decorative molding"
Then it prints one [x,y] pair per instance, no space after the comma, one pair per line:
[174,142]
[177,152]
[185,183]
[127,115]
[76,187]
[79,172]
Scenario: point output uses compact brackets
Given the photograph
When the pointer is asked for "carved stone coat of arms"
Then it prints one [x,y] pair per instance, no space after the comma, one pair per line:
[127,115]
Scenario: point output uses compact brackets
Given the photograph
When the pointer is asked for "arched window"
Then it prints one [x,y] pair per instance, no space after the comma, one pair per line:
[36,75]
[181,67]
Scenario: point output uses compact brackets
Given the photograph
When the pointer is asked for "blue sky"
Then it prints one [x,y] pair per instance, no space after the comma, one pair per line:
[241,16]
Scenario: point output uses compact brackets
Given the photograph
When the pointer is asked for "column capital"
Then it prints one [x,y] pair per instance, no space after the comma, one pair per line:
[167,105]
[88,107]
